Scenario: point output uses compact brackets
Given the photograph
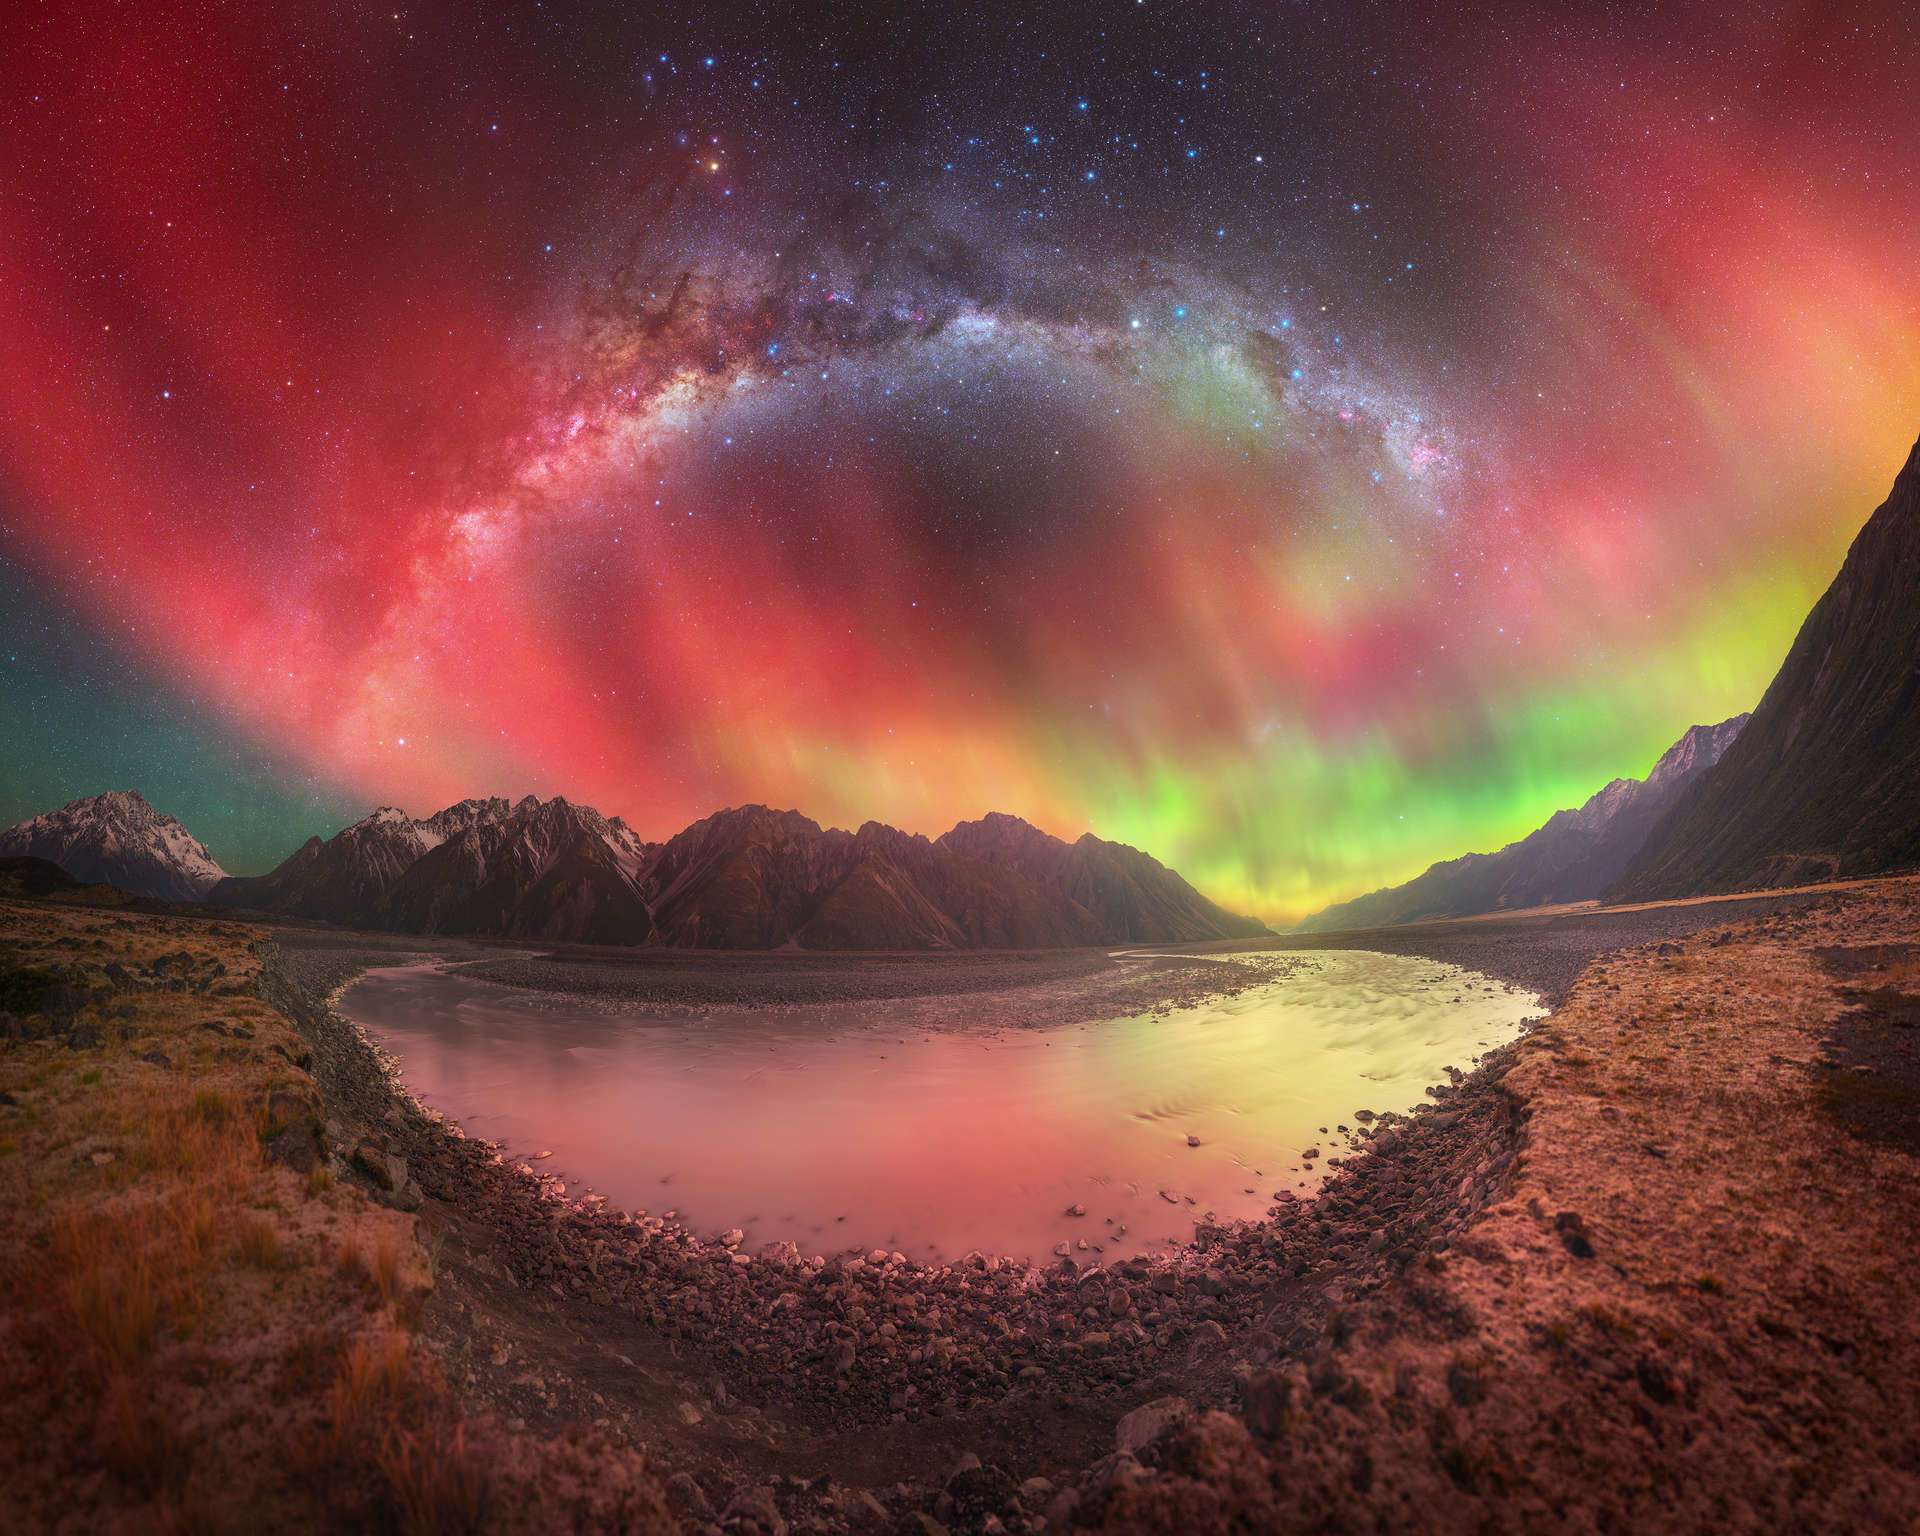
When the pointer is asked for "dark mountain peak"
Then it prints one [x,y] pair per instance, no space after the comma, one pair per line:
[879,834]
[1701,747]
[1003,839]
[752,820]
[1572,856]
[1824,780]
[1131,898]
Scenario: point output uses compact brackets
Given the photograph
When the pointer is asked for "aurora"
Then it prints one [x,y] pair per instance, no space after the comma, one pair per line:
[1114,448]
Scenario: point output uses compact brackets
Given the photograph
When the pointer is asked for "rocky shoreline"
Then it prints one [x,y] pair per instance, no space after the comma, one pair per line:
[874,1373]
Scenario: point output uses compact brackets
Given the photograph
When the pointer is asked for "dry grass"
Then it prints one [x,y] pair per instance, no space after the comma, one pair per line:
[134,1441]
[438,1484]
[394,1442]
[179,1352]
[377,1266]
[377,1379]
[107,1293]
[256,1243]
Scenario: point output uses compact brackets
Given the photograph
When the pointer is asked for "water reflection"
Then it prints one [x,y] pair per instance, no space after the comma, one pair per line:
[838,1128]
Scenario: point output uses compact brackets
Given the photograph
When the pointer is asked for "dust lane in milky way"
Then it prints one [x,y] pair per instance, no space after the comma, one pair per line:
[1301,447]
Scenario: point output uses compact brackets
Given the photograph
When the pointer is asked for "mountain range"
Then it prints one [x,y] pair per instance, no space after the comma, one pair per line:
[1574,856]
[747,878]
[1825,780]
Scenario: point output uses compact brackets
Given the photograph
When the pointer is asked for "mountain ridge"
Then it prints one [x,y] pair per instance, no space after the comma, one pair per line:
[1572,856]
[745,877]
[1825,783]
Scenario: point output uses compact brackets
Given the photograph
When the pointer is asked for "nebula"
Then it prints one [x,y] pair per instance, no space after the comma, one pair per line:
[1103,429]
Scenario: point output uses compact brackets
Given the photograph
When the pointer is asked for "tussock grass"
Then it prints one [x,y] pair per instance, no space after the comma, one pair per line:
[437,1483]
[376,1266]
[199,1330]
[256,1243]
[106,1290]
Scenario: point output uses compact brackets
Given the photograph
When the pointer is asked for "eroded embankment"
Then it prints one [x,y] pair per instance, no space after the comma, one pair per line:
[871,1371]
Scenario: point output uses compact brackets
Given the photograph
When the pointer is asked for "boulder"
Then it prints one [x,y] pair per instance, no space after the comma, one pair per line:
[1149,1422]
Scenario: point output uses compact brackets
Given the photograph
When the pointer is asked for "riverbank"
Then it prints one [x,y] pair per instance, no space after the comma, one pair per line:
[1688,1309]
[1631,1271]
[867,1369]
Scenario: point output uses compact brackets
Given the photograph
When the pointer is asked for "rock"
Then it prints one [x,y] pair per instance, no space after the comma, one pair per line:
[1465,1386]
[293,1134]
[752,1508]
[1573,1233]
[84,1037]
[1266,1398]
[1193,1141]
[733,1237]
[1076,1209]
[687,1498]
[978,1492]
[388,1173]
[1656,1379]
[1149,1422]
[918,1523]
[1035,1492]
[688,1413]
[61,1001]
[155,1058]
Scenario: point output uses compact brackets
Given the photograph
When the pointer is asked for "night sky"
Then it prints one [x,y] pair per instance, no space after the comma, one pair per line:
[1302,440]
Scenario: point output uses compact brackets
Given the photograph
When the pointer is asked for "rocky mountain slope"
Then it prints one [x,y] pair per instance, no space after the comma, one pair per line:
[121,840]
[1133,898]
[754,878]
[1825,781]
[745,878]
[542,869]
[338,879]
[1574,856]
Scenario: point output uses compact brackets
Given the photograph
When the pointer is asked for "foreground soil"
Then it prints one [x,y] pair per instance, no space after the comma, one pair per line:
[1641,1270]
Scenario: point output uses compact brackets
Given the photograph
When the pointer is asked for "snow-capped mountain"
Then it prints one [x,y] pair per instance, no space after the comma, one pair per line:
[547,869]
[1574,855]
[120,839]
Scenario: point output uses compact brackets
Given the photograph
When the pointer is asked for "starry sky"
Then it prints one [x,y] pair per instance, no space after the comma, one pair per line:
[1302,440]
